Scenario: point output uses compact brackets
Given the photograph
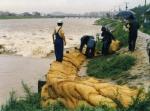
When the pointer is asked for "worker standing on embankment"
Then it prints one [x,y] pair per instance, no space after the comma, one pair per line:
[133,32]
[59,41]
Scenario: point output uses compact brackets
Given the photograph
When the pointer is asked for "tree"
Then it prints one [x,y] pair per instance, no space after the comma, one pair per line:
[36,13]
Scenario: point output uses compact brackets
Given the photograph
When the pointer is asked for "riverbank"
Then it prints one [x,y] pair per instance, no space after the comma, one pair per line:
[22,17]
[136,75]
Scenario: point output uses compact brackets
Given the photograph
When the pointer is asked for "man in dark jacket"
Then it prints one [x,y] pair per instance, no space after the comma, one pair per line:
[90,43]
[133,31]
[107,38]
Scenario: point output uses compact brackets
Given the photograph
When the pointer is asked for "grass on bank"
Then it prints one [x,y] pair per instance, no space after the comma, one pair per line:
[110,66]
[113,65]
[140,10]
[26,17]
[19,17]
[31,102]
[146,28]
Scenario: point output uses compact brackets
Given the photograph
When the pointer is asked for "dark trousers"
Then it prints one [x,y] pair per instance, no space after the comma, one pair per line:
[149,54]
[59,47]
[40,85]
[83,42]
[132,42]
[105,48]
[90,52]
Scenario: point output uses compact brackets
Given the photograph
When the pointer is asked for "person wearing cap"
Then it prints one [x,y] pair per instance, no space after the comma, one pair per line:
[107,39]
[59,41]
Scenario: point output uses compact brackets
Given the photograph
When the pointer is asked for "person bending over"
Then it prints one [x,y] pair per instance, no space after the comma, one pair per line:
[107,38]
[90,42]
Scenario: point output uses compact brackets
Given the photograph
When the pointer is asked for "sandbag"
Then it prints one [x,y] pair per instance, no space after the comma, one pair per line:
[76,58]
[44,93]
[61,67]
[114,46]
[98,100]
[64,85]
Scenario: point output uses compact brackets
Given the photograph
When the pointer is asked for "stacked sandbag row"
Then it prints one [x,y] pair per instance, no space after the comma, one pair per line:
[65,86]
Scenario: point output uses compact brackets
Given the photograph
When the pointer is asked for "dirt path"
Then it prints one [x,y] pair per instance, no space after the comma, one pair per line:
[141,71]
[139,74]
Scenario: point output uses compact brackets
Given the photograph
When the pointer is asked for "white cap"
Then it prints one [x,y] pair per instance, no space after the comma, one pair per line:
[60,22]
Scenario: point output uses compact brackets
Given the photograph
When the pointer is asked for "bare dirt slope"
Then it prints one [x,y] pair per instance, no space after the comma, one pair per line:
[141,71]
[139,74]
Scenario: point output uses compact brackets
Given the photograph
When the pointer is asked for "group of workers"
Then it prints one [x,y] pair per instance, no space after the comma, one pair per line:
[59,40]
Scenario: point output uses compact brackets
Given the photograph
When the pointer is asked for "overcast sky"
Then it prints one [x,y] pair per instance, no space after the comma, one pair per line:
[69,6]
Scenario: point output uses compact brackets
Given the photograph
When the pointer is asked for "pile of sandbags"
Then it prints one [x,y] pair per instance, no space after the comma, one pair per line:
[114,46]
[64,85]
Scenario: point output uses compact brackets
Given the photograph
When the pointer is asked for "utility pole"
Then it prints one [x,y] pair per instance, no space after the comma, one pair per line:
[126,6]
[145,3]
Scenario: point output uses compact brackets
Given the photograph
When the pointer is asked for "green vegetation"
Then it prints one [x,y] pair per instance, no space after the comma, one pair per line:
[31,102]
[140,10]
[114,65]
[117,29]
[109,66]
[140,15]
[146,28]
[20,17]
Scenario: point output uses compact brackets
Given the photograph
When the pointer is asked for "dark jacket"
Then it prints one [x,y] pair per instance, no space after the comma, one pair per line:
[133,29]
[107,36]
[87,40]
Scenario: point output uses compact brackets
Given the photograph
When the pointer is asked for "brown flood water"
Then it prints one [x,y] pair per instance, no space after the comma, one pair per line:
[14,69]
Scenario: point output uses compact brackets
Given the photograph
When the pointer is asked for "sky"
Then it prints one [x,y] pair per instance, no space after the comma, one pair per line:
[68,6]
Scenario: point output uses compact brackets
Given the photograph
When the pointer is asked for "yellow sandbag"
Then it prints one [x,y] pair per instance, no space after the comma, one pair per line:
[73,61]
[127,96]
[70,65]
[52,93]
[114,46]
[57,86]
[44,93]
[63,84]
[69,89]
[59,75]
[76,54]
[98,100]
[61,67]
[123,94]
[76,58]
[81,89]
